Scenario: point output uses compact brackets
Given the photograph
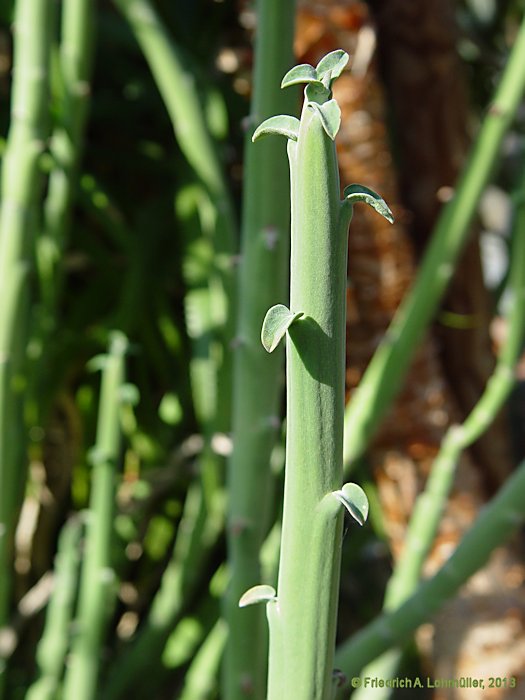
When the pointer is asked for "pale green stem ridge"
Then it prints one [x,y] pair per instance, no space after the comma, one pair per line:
[97,581]
[200,680]
[385,373]
[75,63]
[75,55]
[53,646]
[21,179]
[310,545]
[257,378]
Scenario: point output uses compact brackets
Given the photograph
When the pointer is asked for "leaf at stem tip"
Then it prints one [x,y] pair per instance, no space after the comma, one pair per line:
[354,500]
[282,124]
[304,73]
[276,322]
[99,362]
[360,193]
[257,594]
[333,63]
[330,115]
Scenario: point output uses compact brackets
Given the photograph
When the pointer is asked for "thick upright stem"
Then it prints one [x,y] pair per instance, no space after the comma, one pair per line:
[311,542]
[53,646]
[257,378]
[75,63]
[302,617]
[21,178]
[97,576]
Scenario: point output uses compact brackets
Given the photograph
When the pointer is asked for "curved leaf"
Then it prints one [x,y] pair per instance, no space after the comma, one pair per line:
[276,322]
[360,193]
[332,65]
[303,73]
[330,114]
[257,594]
[354,500]
[282,124]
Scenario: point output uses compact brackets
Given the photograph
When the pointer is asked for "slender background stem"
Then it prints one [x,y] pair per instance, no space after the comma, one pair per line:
[21,181]
[258,378]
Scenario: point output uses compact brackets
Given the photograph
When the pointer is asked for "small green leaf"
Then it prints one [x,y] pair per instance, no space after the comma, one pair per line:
[282,124]
[330,116]
[304,73]
[360,193]
[98,362]
[276,322]
[257,594]
[332,65]
[354,500]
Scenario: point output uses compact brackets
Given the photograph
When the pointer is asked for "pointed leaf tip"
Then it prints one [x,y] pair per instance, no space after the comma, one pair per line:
[282,124]
[354,500]
[276,322]
[360,193]
[257,594]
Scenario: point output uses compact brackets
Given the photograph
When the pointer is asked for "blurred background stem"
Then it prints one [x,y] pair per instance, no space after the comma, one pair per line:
[257,378]
[72,95]
[21,180]
[179,90]
[54,644]
[97,580]
[428,509]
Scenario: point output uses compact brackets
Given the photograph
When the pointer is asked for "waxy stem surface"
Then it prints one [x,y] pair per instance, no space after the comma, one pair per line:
[315,353]
[302,616]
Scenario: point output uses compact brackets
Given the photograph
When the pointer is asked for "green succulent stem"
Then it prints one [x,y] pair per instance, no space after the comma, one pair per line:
[75,62]
[310,546]
[53,646]
[20,189]
[257,378]
[97,580]
[302,616]
[200,680]
[75,59]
